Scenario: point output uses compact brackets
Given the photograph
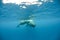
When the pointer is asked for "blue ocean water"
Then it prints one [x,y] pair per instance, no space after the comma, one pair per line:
[47,22]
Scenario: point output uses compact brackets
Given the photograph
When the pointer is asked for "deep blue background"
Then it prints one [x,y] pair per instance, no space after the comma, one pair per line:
[47,22]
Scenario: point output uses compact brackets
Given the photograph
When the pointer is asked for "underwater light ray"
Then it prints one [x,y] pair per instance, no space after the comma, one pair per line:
[26,2]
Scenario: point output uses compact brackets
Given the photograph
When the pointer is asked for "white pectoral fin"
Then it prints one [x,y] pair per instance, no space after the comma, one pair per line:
[22,22]
[32,24]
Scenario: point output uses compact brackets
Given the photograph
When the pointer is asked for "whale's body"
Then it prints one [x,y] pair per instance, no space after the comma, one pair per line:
[28,22]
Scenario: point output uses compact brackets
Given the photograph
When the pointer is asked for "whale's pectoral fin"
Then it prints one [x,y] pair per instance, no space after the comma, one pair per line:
[32,24]
[21,23]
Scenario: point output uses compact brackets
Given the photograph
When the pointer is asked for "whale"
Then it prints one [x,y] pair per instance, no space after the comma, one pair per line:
[29,22]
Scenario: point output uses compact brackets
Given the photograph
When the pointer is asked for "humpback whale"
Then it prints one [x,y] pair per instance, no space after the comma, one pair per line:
[29,22]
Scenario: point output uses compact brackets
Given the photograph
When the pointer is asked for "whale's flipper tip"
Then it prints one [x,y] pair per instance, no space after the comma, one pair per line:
[32,24]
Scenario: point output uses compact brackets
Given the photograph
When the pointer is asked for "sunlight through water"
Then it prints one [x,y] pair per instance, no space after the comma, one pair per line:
[26,2]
